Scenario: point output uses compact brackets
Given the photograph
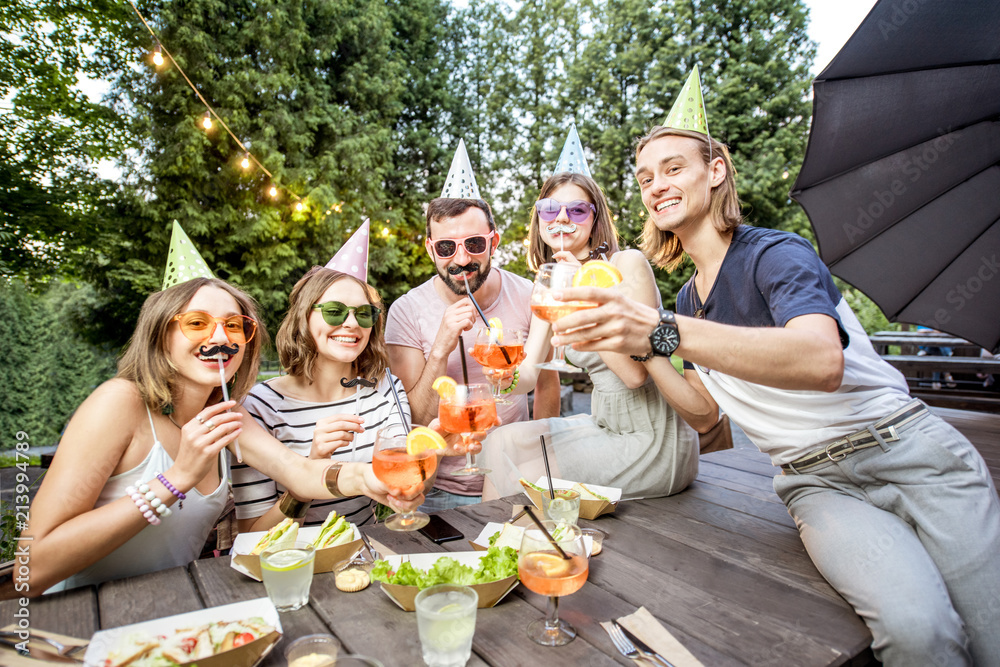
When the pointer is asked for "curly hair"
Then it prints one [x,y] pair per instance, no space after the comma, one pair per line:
[145,361]
[296,347]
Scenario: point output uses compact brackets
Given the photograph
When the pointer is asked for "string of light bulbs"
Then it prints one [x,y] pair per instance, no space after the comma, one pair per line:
[206,121]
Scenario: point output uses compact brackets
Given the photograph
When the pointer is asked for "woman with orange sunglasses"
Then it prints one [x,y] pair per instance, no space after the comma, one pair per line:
[162,420]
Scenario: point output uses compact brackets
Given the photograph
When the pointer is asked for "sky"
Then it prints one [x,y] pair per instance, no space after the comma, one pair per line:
[831,24]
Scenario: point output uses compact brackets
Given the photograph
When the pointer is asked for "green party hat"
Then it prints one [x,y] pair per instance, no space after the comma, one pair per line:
[183,261]
[688,112]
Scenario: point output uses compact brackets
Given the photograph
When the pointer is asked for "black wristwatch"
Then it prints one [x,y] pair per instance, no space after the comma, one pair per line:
[664,339]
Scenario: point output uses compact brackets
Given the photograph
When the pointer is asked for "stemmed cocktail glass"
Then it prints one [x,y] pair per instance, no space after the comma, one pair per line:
[555,277]
[545,571]
[471,409]
[499,351]
[395,467]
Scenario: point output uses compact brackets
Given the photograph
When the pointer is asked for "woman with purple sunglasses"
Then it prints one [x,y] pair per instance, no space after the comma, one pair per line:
[632,439]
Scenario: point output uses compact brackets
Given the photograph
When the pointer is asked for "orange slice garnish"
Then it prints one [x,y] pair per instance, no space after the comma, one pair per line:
[421,438]
[597,273]
[444,386]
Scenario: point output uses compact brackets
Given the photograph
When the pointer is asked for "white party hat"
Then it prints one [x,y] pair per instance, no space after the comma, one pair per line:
[183,261]
[352,258]
[572,159]
[461,181]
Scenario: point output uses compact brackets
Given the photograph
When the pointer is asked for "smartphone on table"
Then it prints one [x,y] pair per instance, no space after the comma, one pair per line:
[438,530]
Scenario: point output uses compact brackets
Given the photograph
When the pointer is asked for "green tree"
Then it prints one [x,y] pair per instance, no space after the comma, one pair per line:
[53,135]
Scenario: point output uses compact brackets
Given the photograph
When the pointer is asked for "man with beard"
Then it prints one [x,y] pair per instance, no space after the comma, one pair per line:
[424,325]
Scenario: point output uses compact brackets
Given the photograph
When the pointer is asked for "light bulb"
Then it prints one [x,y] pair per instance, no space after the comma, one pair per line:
[273,191]
[157,57]
[526,242]
[299,206]
[784,174]
[385,231]
[206,121]
[245,163]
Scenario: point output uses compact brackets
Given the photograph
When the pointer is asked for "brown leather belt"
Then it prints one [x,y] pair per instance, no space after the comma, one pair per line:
[838,450]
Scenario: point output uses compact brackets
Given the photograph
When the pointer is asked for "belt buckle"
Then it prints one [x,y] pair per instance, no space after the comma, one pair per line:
[840,456]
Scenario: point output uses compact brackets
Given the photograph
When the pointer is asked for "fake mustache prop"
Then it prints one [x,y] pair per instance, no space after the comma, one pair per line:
[216,349]
[344,382]
[568,228]
[454,269]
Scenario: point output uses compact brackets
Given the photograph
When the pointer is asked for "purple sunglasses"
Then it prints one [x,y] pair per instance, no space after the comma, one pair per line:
[577,211]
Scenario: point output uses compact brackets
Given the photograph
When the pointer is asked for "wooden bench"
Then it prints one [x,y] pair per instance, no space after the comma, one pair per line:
[961,389]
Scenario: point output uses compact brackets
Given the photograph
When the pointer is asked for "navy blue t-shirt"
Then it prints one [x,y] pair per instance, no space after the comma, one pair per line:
[767,278]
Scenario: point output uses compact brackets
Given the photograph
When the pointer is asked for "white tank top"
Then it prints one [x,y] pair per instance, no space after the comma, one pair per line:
[179,538]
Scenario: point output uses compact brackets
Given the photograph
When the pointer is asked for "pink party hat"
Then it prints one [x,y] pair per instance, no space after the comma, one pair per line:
[352,258]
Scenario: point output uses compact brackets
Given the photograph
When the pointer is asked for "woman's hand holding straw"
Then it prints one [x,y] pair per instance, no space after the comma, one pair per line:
[217,351]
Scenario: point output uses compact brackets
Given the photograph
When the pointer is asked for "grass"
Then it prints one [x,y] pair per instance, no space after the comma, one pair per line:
[11,460]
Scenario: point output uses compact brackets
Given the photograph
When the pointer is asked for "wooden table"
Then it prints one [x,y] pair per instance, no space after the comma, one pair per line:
[721,565]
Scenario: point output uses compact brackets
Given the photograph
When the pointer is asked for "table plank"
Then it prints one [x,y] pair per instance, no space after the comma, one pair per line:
[148,596]
[72,613]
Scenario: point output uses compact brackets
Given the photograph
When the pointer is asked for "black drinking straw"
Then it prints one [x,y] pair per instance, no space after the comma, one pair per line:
[548,536]
[399,404]
[461,349]
[548,473]
[485,321]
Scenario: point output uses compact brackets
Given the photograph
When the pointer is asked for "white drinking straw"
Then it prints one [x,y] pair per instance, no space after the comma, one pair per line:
[225,396]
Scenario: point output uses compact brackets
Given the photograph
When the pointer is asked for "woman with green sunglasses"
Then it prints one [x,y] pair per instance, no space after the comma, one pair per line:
[334,398]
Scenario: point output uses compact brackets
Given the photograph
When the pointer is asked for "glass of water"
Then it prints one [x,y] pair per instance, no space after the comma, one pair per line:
[564,507]
[446,619]
[287,571]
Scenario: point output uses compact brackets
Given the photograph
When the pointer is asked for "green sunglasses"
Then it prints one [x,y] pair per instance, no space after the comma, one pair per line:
[335,313]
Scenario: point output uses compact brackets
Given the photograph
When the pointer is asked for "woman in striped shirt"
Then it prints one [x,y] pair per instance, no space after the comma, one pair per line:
[334,399]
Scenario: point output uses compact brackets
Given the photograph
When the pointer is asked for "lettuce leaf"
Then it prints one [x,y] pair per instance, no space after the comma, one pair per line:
[495,565]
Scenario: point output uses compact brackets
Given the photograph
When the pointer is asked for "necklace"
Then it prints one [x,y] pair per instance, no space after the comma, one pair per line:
[171,418]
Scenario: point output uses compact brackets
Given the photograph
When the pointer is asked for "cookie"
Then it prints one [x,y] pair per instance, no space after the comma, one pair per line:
[351,581]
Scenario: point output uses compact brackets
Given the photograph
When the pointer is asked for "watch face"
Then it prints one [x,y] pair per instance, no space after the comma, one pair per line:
[665,340]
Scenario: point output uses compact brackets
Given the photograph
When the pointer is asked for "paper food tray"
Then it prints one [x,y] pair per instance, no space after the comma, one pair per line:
[489,593]
[243,561]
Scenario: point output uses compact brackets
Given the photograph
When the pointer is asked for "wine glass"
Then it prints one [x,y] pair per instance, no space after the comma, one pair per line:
[554,277]
[498,351]
[545,571]
[395,467]
[471,409]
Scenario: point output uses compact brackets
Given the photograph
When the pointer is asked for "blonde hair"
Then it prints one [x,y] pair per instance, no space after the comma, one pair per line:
[145,361]
[296,347]
[603,231]
[664,248]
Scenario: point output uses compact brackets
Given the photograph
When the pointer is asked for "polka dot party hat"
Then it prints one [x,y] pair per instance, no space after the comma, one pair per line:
[688,112]
[183,261]
[572,159]
[461,182]
[352,258]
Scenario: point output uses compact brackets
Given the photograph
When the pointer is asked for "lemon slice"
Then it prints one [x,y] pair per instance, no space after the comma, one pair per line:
[444,386]
[494,323]
[496,330]
[421,439]
[597,273]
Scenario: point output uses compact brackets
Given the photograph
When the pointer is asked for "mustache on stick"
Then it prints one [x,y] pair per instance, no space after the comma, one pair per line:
[344,382]
[216,349]
[561,229]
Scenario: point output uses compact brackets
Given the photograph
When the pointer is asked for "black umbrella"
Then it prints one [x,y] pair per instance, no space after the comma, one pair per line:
[901,179]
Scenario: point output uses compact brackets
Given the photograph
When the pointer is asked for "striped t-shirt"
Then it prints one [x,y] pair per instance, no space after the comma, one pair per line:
[293,421]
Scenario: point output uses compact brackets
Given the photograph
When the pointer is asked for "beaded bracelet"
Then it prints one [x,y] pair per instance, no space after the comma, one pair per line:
[180,495]
[145,499]
[513,383]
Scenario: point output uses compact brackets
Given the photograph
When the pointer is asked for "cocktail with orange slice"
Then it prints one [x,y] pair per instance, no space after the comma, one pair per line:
[403,459]
[546,570]
[550,277]
[499,352]
[465,409]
